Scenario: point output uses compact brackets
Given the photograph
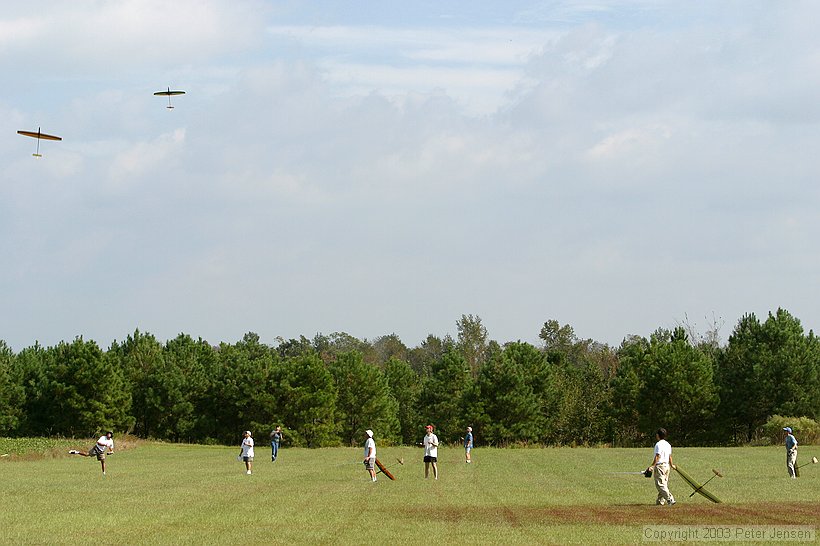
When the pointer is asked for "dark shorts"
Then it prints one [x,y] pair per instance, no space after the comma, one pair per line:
[429,459]
[247,459]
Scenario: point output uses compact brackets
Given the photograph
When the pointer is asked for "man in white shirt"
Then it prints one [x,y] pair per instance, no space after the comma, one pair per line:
[105,445]
[247,451]
[370,454]
[430,445]
[661,464]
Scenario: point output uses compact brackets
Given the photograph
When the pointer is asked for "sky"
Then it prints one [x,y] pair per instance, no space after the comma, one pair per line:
[386,167]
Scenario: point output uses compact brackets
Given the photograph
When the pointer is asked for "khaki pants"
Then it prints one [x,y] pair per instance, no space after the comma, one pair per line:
[791,462]
[661,475]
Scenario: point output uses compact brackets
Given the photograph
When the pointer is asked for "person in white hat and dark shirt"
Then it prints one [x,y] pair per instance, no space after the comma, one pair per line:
[791,452]
[468,445]
[370,454]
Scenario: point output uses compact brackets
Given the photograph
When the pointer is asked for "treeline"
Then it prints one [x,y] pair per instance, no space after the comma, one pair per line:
[327,390]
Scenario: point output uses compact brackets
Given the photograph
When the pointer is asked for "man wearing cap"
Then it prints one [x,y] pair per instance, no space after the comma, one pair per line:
[370,454]
[105,445]
[468,445]
[430,445]
[791,452]
[247,451]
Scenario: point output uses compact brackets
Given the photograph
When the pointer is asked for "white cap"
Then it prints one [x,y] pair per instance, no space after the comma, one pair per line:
[369,433]
[248,432]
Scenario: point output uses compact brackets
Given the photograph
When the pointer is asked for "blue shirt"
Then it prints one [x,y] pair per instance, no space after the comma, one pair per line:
[791,442]
[468,440]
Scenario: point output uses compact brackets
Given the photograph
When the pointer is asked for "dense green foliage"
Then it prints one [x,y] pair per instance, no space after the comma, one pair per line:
[328,390]
[807,430]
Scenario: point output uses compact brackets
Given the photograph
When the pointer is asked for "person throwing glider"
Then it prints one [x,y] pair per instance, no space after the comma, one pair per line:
[104,446]
[660,466]
[791,452]
[430,445]
[370,454]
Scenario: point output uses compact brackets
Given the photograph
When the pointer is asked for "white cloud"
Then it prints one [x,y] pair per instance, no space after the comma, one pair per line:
[87,35]
[630,144]
[491,46]
[478,67]
[138,159]
[479,90]
[377,177]
[21,32]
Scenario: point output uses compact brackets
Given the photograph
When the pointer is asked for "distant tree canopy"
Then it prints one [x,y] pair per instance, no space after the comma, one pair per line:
[327,390]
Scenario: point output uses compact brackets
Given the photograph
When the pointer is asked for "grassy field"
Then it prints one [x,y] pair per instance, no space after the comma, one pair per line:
[182,494]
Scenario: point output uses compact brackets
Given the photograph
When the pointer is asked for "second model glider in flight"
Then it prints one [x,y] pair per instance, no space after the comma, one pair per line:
[168,93]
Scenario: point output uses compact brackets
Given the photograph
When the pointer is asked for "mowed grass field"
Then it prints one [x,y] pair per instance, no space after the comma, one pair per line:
[158,493]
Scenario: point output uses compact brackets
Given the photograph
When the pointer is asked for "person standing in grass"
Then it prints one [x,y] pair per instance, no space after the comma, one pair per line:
[468,445]
[275,439]
[247,451]
[430,444]
[661,464]
[105,445]
[370,454]
[791,452]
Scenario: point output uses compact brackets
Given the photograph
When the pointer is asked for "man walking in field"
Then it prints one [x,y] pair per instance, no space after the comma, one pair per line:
[430,445]
[661,464]
[275,439]
[468,445]
[247,451]
[105,445]
[370,454]
[791,453]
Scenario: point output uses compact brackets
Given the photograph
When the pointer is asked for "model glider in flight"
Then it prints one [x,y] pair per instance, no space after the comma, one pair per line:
[38,135]
[168,93]
[698,488]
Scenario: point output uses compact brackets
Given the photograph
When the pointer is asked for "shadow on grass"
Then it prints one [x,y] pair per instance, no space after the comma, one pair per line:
[628,514]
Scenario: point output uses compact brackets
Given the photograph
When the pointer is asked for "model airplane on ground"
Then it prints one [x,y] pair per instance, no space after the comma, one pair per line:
[698,488]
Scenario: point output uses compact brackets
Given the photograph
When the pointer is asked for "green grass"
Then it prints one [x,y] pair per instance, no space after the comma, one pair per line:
[181,494]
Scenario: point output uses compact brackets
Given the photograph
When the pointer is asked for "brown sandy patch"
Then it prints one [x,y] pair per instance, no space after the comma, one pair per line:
[695,514]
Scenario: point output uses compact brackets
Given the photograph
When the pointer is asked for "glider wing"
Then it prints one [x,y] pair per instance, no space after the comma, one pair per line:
[38,134]
[384,470]
[695,485]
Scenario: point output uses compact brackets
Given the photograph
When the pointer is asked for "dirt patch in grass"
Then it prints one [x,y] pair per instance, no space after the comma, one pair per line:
[694,514]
